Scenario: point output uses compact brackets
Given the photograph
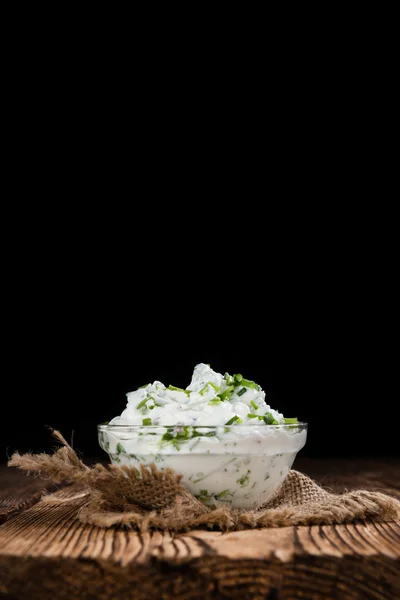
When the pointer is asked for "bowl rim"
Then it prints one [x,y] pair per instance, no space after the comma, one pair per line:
[106,426]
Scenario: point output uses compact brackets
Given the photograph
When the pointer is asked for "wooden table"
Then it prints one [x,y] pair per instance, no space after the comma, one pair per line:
[46,553]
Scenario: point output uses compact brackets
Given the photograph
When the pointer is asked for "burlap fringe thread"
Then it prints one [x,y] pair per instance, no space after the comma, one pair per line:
[152,499]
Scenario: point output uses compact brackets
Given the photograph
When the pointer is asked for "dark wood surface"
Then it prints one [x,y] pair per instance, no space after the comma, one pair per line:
[45,552]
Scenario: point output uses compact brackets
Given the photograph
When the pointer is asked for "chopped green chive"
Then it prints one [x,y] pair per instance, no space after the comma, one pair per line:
[215,401]
[175,389]
[229,379]
[244,480]
[216,388]
[223,494]
[254,405]
[234,419]
[175,442]
[269,419]
[167,437]
[205,388]
[227,393]
[237,378]
[289,420]
[251,416]
[183,435]
[242,391]
[143,386]
[120,448]
[142,403]
[146,421]
[250,384]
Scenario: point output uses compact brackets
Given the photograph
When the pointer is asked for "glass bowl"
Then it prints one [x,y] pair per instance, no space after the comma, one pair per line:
[238,465]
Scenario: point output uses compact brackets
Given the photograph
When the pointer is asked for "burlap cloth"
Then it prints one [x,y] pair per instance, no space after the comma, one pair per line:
[154,499]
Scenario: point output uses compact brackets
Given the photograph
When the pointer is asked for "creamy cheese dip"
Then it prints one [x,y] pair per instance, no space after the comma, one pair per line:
[219,433]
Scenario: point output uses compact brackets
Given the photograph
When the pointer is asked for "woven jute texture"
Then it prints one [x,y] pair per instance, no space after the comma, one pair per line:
[152,499]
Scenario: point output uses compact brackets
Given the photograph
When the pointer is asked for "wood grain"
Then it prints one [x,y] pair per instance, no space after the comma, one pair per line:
[18,492]
[52,529]
[45,552]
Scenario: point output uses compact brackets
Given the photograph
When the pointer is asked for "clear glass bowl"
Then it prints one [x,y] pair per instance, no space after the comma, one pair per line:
[238,465]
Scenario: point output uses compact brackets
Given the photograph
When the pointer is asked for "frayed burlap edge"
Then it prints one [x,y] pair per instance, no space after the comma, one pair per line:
[149,499]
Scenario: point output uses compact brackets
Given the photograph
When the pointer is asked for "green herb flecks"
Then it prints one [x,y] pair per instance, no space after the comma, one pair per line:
[290,421]
[229,379]
[184,434]
[250,384]
[120,449]
[142,403]
[146,421]
[269,419]
[226,393]
[197,433]
[254,405]
[244,479]
[180,434]
[237,378]
[205,497]
[234,419]
[205,388]
[223,494]
[175,442]
[214,401]
[242,391]
[175,389]
[200,476]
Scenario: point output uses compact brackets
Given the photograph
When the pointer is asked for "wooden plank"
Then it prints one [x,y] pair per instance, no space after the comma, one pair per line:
[260,544]
[18,492]
[50,529]
[206,577]
[45,552]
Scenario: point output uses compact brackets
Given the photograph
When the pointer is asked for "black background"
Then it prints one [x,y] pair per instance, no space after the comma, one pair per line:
[256,233]
[90,316]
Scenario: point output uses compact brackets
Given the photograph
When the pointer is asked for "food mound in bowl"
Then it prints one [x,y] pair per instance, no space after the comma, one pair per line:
[219,433]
